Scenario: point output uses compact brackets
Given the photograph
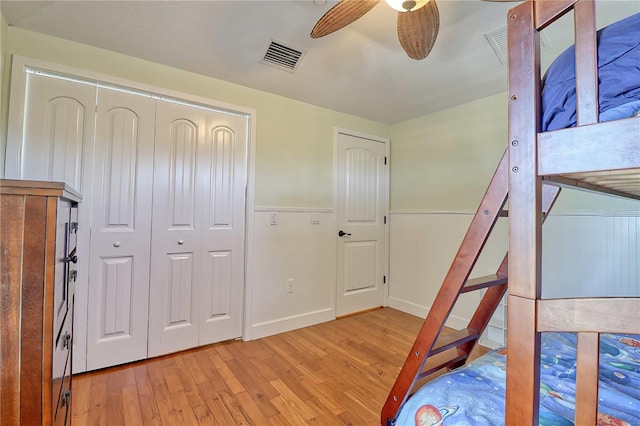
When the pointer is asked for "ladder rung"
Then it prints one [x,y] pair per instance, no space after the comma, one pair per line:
[483,282]
[436,363]
[449,340]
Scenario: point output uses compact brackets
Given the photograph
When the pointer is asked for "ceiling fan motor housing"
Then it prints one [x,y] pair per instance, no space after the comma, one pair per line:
[408,5]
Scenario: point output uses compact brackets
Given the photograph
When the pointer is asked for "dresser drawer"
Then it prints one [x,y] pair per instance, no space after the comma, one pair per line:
[62,411]
[61,366]
[62,264]
[72,257]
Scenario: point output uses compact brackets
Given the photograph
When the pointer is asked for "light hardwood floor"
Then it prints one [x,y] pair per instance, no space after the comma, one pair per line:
[336,373]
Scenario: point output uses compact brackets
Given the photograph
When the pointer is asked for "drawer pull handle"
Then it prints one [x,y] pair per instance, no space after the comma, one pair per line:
[116,244]
[181,242]
[66,398]
[67,341]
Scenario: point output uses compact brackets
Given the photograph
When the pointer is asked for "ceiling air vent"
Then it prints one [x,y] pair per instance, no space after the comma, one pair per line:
[498,40]
[282,57]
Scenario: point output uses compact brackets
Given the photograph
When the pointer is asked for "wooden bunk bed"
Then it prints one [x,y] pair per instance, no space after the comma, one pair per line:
[592,155]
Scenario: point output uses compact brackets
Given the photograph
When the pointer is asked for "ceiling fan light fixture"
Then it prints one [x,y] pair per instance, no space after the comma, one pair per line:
[406,5]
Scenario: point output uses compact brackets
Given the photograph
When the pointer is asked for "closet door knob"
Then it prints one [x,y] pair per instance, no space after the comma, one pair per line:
[116,244]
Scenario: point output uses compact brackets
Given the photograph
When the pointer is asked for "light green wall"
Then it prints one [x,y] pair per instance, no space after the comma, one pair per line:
[294,159]
[444,161]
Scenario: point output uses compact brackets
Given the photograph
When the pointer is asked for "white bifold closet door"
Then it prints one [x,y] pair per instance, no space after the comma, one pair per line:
[121,229]
[162,218]
[197,250]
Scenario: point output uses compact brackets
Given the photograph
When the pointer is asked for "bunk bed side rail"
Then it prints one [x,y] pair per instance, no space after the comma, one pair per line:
[604,315]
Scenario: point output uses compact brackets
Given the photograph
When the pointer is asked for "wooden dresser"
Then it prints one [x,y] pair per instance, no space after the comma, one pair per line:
[38,260]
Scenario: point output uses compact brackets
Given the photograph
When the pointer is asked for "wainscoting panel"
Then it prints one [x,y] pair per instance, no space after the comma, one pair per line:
[423,245]
[581,251]
[592,254]
[294,270]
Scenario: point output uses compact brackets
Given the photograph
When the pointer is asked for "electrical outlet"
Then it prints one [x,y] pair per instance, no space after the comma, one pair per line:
[290,283]
[273,219]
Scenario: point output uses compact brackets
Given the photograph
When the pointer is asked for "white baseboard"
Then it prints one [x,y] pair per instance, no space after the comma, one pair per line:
[454,321]
[408,307]
[295,322]
[457,322]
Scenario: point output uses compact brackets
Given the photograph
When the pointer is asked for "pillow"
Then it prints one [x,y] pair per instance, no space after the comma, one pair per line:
[618,75]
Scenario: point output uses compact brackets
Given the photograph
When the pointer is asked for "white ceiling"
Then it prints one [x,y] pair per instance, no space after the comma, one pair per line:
[360,70]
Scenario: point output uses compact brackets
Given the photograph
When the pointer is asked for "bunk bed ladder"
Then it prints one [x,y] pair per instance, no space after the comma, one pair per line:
[433,350]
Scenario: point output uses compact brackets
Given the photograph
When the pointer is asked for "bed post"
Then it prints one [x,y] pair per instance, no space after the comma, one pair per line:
[525,218]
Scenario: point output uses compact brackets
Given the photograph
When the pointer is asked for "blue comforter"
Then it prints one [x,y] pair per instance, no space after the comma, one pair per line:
[474,394]
[619,77]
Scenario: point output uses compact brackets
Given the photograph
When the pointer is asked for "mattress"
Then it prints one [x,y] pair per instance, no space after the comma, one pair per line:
[474,394]
[618,75]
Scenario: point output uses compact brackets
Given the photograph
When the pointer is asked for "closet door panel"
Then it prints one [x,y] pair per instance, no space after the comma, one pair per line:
[58,125]
[121,232]
[219,275]
[180,287]
[175,252]
[223,183]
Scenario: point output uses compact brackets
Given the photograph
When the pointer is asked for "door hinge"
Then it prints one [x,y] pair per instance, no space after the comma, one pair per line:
[385,160]
[384,279]
[385,220]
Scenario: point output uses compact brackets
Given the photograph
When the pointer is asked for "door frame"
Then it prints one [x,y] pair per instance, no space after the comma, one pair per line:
[19,67]
[337,131]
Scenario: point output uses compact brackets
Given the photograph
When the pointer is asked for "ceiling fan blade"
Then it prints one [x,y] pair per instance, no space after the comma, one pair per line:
[341,15]
[418,29]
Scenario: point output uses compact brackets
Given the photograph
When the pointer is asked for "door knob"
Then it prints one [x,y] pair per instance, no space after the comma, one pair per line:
[341,233]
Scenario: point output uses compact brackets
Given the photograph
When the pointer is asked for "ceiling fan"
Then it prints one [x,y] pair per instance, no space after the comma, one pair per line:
[418,22]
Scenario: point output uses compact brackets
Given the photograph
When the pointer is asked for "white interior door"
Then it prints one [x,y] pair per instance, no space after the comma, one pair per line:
[121,229]
[197,257]
[362,203]
[223,162]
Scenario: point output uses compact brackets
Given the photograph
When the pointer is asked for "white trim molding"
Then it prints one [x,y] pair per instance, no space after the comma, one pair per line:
[276,209]
[294,322]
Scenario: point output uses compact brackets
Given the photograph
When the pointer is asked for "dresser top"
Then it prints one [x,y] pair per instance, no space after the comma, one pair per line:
[38,187]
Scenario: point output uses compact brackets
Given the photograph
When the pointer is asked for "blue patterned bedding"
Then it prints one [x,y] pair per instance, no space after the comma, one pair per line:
[618,75]
[474,394]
